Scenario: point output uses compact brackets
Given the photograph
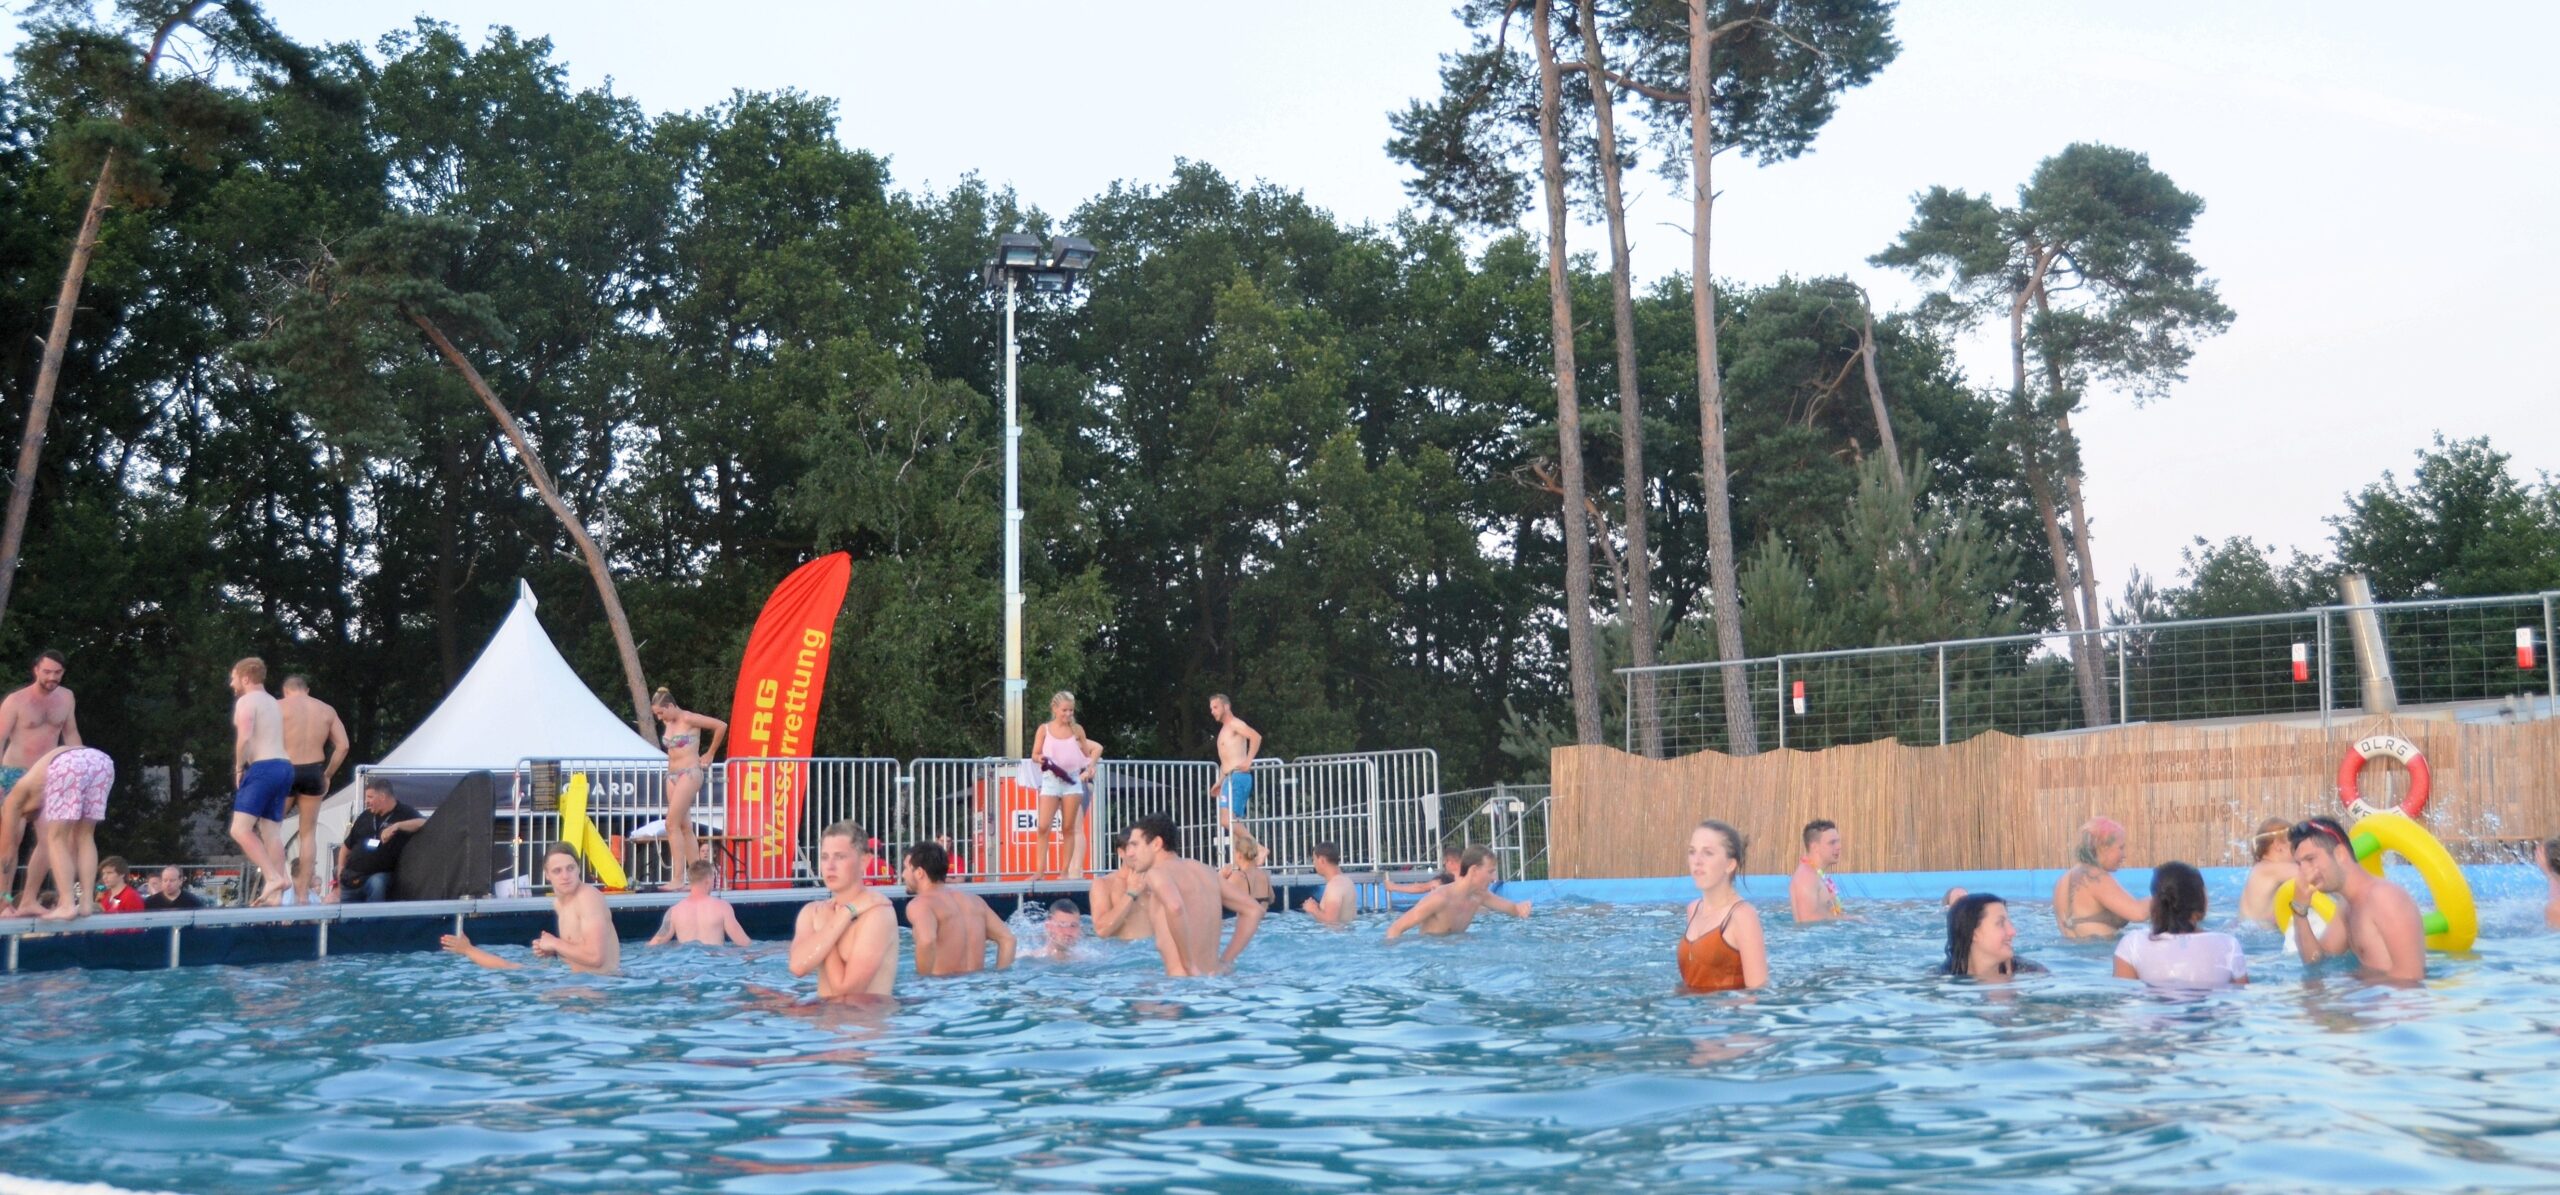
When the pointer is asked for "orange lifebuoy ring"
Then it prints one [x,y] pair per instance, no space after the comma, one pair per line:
[2397,748]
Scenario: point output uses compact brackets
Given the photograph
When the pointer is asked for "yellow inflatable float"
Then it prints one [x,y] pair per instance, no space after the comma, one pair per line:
[578,832]
[2454,924]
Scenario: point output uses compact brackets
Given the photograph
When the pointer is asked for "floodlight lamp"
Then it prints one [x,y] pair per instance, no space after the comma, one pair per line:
[1070,253]
[1050,282]
[1017,250]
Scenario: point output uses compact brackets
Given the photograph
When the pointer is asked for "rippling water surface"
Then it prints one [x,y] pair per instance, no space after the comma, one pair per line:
[1550,1054]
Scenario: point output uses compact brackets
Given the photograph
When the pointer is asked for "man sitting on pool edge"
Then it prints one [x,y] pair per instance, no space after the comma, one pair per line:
[1182,899]
[586,940]
[2377,921]
[701,919]
[850,938]
[1452,909]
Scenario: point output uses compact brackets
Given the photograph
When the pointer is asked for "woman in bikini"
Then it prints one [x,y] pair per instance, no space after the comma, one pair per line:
[2088,903]
[1721,947]
[1066,761]
[682,732]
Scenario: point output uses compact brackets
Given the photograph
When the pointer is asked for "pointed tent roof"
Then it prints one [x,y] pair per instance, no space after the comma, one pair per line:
[519,700]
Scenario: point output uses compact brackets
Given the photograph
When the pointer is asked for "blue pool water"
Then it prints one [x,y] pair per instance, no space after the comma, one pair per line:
[1550,1054]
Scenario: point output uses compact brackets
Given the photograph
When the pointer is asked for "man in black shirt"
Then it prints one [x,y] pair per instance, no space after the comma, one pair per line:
[169,891]
[374,842]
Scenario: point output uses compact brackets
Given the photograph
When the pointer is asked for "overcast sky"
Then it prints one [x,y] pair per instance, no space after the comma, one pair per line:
[2379,184]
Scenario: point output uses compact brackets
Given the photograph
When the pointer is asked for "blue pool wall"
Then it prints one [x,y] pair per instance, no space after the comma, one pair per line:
[2489,882]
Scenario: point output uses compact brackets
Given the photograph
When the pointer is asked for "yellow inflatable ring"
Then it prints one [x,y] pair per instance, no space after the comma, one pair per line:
[2455,924]
[2321,907]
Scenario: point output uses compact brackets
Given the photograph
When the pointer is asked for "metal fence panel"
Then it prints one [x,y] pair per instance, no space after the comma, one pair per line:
[1409,825]
[861,791]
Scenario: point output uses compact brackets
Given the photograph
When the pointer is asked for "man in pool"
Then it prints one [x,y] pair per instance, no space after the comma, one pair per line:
[1062,930]
[586,940]
[315,740]
[1811,894]
[261,776]
[951,927]
[1449,866]
[2547,853]
[1237,745]
[1340,903]
[850,938]
[2377,921]
[1452,909]
[700,919]
[1113,891]
[33,720]
[1182,898]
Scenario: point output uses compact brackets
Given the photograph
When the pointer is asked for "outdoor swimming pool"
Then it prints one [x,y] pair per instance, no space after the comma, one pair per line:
[1550,1054]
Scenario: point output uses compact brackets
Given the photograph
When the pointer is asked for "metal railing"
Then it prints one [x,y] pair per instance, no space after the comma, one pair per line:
[2257,666]
[1509,820]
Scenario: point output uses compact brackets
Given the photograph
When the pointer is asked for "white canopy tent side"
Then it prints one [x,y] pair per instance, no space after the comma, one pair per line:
[520,700]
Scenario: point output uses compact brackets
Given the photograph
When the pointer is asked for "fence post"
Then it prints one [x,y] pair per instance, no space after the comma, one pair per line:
[2124,682]
[2550,667]
[1782,700]
[2325,673]
[1627,693]
[1942,694]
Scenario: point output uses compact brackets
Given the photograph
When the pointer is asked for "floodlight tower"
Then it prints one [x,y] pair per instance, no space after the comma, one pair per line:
[1021,261]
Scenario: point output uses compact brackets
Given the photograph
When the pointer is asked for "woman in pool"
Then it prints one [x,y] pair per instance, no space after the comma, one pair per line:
[1721,946]
[2273,866]
[683,733]
[2088,903]
[2176,950]
[1982,943]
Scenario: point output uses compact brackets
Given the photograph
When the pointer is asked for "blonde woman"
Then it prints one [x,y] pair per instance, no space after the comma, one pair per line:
[1066,760]
[2088,903]
[692,740]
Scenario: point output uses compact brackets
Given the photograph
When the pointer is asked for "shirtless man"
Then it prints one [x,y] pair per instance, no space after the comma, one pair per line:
[1063,931]
[1340,903]
[1452,909]
[1449,866]
[951,927]
[700,919]
[1112,892]
[1237,745]
[1246,872]
[68,785]
[1811,894]
[316,743]
[586,940]
[2377,921]
[850,938]
[33,720]
[262,777]
[1182,897]
[2547,853]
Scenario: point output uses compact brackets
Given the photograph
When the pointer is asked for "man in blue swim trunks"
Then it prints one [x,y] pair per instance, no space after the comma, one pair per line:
[263,777]
[1237,745]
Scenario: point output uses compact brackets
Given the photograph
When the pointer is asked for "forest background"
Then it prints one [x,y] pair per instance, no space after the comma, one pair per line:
[1314,464]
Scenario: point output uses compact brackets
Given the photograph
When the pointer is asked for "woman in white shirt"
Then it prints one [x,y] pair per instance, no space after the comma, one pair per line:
[2174,950]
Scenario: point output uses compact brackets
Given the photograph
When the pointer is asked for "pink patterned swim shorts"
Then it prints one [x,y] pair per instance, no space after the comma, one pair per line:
[76,784]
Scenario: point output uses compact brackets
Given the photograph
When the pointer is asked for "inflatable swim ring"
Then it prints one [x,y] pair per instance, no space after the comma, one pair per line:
[2454,925]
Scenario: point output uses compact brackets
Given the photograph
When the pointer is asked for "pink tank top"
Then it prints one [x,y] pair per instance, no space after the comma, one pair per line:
[1062,754]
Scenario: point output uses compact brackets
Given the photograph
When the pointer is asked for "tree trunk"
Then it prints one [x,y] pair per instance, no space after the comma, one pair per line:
[550,491]
[1875,391]
[57,340]
[1581,653]
[2085,662]
[1742,726]
[2082,554]
[1636,604]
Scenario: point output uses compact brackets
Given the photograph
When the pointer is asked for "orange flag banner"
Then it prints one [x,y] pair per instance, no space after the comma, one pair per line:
[775,714]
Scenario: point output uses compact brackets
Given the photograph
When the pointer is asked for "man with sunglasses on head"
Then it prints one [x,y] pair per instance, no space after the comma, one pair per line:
[2377,922]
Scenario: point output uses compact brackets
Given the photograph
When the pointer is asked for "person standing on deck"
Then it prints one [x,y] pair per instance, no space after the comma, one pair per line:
[1811,894]
[849,937]
[68,786]
[1238,744]
[261,776]
[316,743]
[692,740]
[33,720]
[1067,761]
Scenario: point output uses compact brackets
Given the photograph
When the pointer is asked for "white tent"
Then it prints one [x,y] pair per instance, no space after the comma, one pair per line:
[520,700]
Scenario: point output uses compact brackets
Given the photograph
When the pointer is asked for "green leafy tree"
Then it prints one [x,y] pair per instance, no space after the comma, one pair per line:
[2462,526]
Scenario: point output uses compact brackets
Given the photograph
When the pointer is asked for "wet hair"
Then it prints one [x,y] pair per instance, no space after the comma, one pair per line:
[2551,853]
[1475,857]
[2332,835]
[697,871]
[1814,829]
[1734,844]
[298,681]
[1159,829]
[2270,832]
[1964,918]
[1328,852]
[848,830]
[1062,907]
[2094,837]
[55,656]
[931,859]
[2177,898]
[251,669]
[661,698]
[116,864]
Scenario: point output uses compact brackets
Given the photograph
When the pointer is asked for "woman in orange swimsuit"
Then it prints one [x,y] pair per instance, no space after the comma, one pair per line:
[1721,947]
